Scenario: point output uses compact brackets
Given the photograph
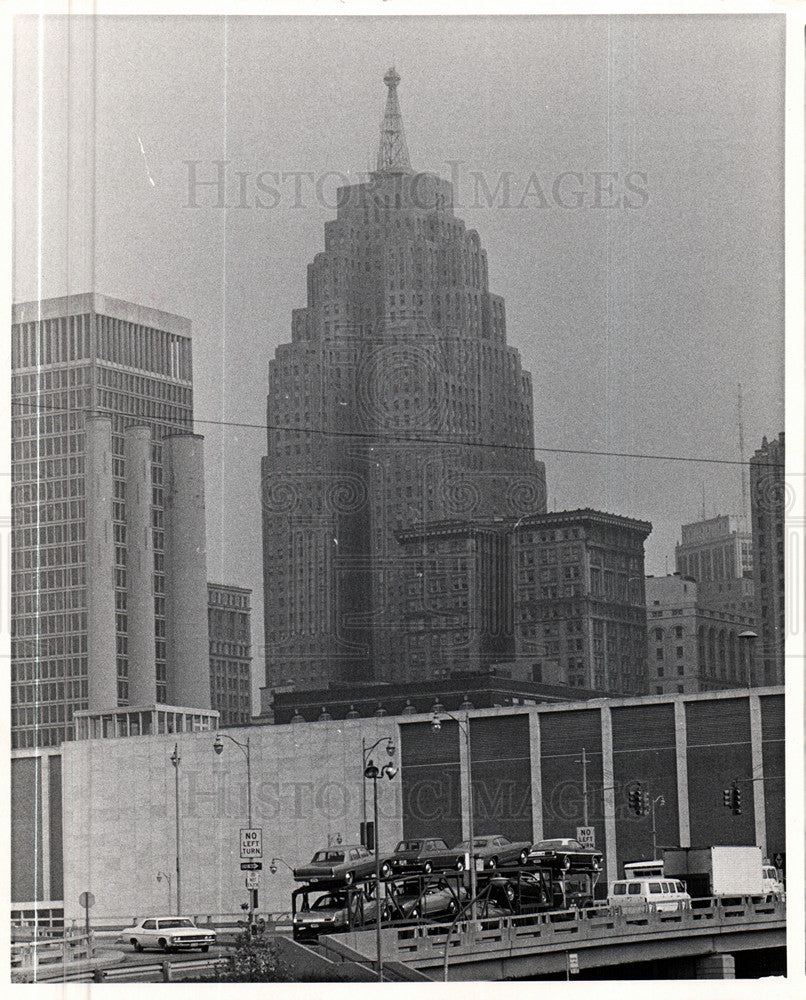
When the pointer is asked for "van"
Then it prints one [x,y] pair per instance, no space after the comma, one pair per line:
[649,894]
[771,881]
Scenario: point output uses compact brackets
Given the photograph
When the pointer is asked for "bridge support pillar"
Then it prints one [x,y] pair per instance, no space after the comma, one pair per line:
[716,967]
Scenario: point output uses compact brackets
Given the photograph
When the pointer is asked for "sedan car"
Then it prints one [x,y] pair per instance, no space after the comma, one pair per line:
[413,898]
[346,863]
[422,855]
[493,850]
[565,854]
[169,934]
[523,892]
[337,910]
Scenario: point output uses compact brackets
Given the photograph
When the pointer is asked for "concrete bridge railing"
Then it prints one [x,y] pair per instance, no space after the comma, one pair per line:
[594,927]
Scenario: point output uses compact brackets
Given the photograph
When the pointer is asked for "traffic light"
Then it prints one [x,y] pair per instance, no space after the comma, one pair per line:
[645,805]
[635,800]
[732,799]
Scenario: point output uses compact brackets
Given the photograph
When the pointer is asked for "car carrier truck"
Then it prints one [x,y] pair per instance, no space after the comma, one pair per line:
[716,871]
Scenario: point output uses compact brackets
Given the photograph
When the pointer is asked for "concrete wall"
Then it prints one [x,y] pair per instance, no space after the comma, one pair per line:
[100,555]
[307,786]
[119,812]
[140,566]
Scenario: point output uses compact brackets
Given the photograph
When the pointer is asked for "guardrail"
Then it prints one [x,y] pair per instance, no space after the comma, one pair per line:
[44,951]
[554,930]
[157,972]
[108,929]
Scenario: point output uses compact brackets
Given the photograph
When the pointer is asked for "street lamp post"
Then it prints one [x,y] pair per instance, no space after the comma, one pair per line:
[749,638]
[167,877]
[659,800]
[584,762]
[175,759]
[245,749]
[374,773]
[436,725]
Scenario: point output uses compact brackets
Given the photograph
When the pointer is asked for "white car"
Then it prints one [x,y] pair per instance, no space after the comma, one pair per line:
[168,933]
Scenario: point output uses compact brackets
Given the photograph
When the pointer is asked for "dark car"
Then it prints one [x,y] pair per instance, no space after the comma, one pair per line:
[565,854]
[336,910]
[415,898]
[523,892]
[493,850]
[346,863]
[425,854]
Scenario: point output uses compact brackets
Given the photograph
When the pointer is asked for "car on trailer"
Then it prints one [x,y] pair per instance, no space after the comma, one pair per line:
[425,897]
[524,891]
[422,854]
[564,854]
[493,850]
[314,912]
[347,863]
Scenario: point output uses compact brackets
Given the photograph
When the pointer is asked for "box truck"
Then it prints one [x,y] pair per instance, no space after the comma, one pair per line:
[716,871]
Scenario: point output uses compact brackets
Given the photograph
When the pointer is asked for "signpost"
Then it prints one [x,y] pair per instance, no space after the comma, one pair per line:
[586,835]
[86,899]
[573,964]
[252,843]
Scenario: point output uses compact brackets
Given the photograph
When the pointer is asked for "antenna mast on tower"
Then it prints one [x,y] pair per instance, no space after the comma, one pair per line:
[741,458]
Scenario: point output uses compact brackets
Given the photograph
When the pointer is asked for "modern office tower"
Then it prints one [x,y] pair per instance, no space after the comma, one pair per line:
[579,606]
[398,401]
[718,554]
[692,645]
[768,501]
[102,455]
[230,635]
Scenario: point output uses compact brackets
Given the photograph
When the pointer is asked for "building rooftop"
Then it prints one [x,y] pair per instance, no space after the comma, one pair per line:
[105,305]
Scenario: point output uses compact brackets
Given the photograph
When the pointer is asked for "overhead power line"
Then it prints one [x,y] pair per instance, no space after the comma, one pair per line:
[435,439]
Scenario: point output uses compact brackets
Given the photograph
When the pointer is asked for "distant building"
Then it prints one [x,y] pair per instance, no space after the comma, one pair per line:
[459,692]
[108,552]
[229,629]
[551,598]
[718,554]
[459,592]
[692,646]
[579,611]
[768,506]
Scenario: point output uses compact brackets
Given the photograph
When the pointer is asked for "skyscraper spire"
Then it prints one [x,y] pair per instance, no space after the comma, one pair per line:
[393,154]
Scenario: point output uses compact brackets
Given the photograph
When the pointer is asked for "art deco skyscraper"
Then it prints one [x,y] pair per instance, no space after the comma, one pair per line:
[397,401]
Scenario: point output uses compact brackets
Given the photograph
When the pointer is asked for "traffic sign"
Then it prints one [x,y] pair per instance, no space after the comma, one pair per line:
[252,880]
[86,899]
[251,866]
[252,843]
[586,835]
[573,963]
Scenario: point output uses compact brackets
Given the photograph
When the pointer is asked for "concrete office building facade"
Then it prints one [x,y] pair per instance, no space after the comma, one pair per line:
[108,587]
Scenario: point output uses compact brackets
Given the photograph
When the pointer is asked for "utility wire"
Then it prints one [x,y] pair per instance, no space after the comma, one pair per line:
[381,436]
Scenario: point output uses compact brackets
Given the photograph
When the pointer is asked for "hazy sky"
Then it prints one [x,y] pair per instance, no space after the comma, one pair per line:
[637,323]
